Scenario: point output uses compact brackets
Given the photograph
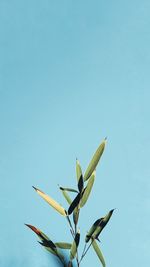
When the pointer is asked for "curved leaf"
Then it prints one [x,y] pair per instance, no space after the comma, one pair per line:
[92,229]
[102,224]
[95,159]
[87,190]
[98,252]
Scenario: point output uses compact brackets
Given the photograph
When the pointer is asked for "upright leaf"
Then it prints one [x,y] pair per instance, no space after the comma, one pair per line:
[95,159]
[51,202]
[98,252]
[76,215]
[80,184]
[87,190]
[78,170]
[73,250]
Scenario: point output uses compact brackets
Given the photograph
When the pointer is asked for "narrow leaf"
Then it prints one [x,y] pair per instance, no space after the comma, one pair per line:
[78,170]
[51,202]
[68,189]
[76,215]
[48,249]
[49,244]
[66,196]
[98,252]
[87,190]
[39,233]
[63,245]
[80,183]
[95,159]
[74,204]
[46,242]
[74,246]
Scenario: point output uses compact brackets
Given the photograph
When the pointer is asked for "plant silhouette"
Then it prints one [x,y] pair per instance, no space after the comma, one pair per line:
[85,184]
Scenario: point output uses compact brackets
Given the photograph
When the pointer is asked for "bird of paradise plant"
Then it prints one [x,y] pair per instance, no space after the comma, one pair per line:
[85,184]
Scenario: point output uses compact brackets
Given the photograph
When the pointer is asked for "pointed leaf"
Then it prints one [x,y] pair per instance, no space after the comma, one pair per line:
[44,238]
[68,189]
[98,252]
[102,224]
[93,163]
[87,190]
[39,233]
[51,202]
[74,204]
[78,170]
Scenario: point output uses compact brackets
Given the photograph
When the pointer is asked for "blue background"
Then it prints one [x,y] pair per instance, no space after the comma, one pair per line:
[71,73]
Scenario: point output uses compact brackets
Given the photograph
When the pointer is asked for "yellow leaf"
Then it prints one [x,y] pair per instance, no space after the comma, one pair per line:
[51,202]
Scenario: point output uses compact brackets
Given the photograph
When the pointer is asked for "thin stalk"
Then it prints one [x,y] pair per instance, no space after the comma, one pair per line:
[83,255]
[70,224]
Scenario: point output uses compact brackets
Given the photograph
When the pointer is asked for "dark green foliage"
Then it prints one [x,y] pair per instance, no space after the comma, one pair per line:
[74,203]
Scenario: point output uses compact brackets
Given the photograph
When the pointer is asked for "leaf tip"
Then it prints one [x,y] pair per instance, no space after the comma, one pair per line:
[34,188]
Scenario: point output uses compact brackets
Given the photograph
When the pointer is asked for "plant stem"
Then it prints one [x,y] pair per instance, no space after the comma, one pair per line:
[71,227]
[85,251]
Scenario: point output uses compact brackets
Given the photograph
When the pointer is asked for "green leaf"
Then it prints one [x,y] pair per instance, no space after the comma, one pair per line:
[102,224]
[78,170]
[76,215]
[66,196]
[92,229]
[63,245]
[74,246]
[87,190]
[98,252]
[93,163]
[68,189]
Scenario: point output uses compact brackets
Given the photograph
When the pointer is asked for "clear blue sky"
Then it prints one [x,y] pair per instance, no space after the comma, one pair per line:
[71,73]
